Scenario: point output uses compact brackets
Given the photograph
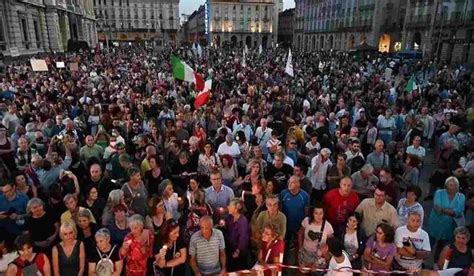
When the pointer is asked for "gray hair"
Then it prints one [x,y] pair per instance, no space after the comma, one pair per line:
[367,168]
[103,232]
[36,157]
[414,213]
[454,179]
[272,197]
[165,183]
[461,230]
[205,219]
[115,197]
[136,220]
[33,201]
[325,152]
[30,127]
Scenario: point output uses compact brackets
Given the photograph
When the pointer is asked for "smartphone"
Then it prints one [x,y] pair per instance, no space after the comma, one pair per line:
[10,211]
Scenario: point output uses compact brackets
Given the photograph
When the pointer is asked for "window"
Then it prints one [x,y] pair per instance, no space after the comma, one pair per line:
[24,30]
[105,2]
[37,34]
[2,34]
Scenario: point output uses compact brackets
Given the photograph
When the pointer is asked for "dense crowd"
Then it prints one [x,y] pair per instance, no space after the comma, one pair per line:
[109,169]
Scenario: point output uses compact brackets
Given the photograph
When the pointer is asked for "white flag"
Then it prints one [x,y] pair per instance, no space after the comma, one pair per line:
[321,65]
[246,50]
[260,50]
[199,51]
[243,57]
[194,48]
[289,64]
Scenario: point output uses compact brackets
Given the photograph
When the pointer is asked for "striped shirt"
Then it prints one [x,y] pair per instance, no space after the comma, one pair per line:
[206,251]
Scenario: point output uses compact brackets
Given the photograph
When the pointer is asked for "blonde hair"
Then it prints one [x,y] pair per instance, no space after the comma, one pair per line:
[86,213]
[65,226]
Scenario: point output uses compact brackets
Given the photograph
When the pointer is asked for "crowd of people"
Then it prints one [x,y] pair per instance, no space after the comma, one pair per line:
[109,169]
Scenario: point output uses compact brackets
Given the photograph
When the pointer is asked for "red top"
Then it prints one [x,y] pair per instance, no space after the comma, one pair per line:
[338,207]
[277,248]
[275,251]
[136,258]
[38,259]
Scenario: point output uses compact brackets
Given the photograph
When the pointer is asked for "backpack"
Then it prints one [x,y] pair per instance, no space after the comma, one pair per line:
[356,163]
[105,266]
[27,268]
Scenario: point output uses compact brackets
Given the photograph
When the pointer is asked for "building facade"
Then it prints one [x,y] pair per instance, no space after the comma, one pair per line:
[439,28]
[34,26]
[286,27]
[242,22]
[197,27]
[137,20]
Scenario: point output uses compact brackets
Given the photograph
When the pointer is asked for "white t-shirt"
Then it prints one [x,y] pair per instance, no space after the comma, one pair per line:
[233,150]
[419,239]
[312,233]
[333,265]
[351,243]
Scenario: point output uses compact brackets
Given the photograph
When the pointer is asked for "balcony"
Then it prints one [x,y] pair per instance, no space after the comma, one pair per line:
[419,21]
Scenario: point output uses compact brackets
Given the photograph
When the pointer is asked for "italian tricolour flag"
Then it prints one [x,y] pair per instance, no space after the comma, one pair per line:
[203,96]
[182,71]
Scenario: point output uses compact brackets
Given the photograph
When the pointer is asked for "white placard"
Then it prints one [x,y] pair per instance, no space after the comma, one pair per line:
[60,64]
[14,52]
[39,65]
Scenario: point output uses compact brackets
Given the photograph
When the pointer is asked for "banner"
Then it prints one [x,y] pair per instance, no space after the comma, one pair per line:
[60,64]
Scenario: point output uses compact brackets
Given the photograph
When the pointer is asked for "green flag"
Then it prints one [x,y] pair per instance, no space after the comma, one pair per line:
[411,85]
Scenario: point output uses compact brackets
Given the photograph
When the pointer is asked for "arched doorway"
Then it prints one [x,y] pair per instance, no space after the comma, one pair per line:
[363,39]
[321,42]
[306,41]
[331,42]
[264,42]
[248,41]
[416,45]
[314,42]
[351,42]
[384,43]
[233,39]
[217,40]
[298,43]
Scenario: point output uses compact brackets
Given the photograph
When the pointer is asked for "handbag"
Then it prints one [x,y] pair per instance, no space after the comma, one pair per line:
[461,220]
